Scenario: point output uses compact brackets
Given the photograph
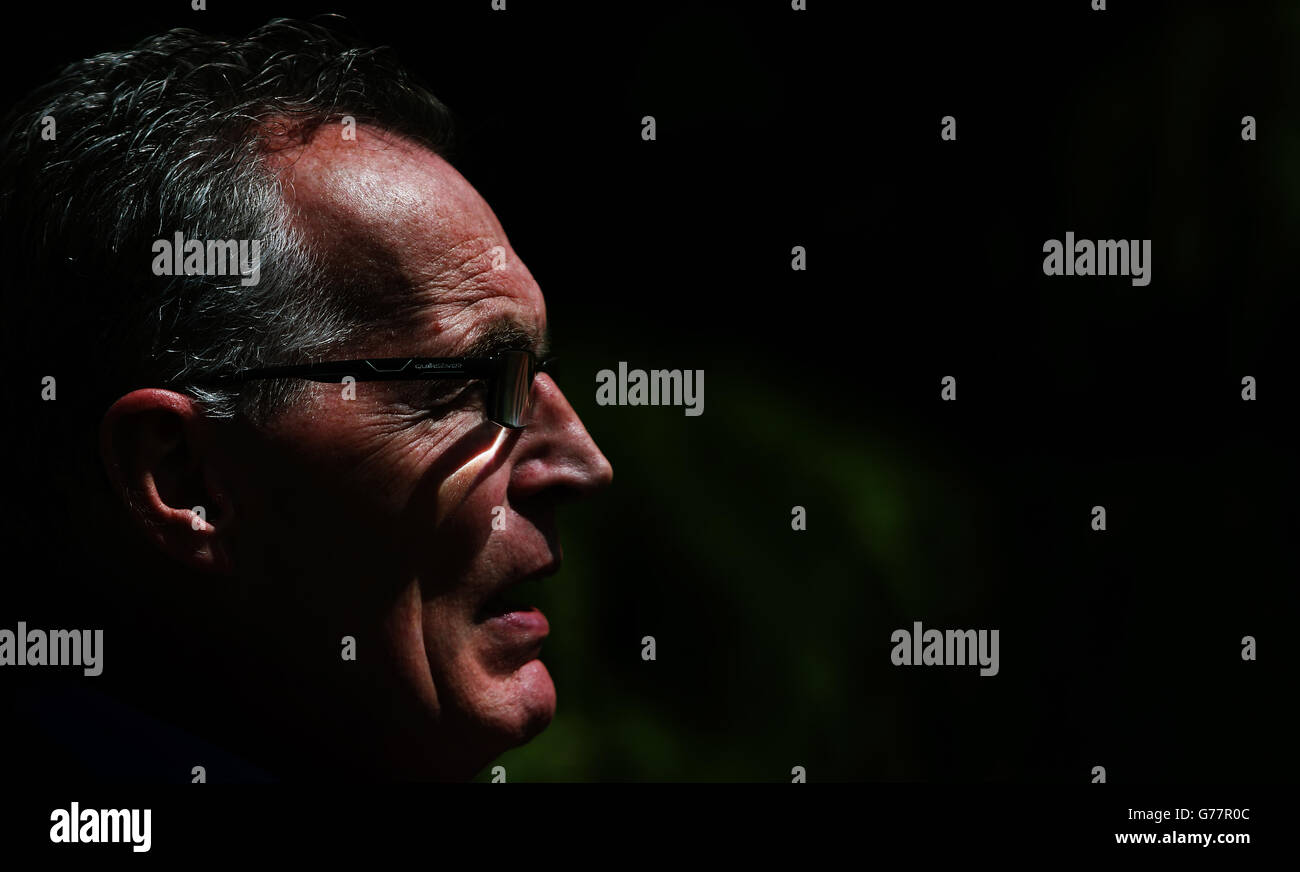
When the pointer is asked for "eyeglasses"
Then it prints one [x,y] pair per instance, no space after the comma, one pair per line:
[509,375]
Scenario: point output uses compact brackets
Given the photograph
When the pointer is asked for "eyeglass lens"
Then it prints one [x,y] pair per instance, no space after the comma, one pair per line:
[514,389]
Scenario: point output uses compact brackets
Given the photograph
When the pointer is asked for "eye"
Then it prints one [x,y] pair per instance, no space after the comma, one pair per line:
[440,394]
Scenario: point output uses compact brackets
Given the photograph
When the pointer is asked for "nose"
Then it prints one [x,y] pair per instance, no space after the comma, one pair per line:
[555,452]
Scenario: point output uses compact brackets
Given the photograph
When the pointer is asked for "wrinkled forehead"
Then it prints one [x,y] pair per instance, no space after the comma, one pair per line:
[398,223]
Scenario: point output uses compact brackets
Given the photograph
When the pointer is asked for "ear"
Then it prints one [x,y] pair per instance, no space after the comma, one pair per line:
[155,445]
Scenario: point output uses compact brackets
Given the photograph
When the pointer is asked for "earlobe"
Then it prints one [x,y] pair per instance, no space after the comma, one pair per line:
[153,446]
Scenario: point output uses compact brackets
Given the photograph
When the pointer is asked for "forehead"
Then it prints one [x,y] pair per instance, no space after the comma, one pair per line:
[398,223]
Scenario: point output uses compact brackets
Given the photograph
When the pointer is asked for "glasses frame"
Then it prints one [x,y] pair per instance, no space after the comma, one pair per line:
[509,411]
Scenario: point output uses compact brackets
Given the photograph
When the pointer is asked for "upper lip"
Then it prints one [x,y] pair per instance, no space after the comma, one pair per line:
[541,572]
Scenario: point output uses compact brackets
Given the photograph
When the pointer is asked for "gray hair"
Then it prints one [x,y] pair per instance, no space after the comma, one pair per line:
[171,136]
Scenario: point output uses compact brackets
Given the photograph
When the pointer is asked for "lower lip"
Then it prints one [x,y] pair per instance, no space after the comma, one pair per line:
[519,627]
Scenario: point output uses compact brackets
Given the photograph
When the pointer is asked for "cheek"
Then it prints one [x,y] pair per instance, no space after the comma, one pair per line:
[373,459]
[457,559]
[331,492]
[455,489]
[466,459]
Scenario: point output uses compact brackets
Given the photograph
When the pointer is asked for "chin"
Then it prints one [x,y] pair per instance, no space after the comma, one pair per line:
[533,704]
[510,712]
[517,708]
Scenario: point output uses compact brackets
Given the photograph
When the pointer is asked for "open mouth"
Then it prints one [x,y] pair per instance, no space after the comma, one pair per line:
[521,597]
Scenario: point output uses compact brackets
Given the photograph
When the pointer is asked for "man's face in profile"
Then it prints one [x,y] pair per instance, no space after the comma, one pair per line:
[395,512]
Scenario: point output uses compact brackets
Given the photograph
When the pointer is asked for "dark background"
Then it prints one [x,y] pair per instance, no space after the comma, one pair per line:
[821,128]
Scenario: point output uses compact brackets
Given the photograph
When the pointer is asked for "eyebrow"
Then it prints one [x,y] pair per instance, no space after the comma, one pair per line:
[508,334]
